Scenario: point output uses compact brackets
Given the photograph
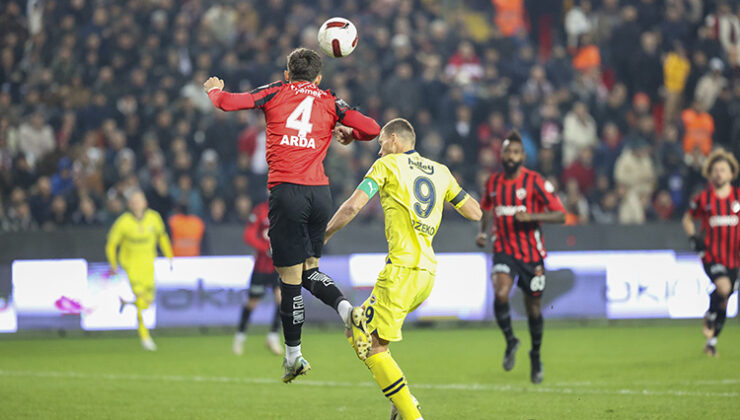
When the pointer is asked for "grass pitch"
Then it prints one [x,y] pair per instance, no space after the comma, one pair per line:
[616,372]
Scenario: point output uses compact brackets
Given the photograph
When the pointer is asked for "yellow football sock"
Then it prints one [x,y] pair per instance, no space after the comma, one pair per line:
[143,332]
[391,381]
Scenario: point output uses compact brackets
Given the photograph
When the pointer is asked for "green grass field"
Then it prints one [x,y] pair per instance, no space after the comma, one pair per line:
[617,372]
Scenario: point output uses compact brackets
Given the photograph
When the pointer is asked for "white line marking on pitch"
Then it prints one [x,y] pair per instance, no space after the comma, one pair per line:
[573,390]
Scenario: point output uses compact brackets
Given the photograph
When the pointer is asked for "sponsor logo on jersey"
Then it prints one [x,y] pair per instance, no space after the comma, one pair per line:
[306,88]
[718,221]
[509,210]
[735,206]
[521,193]
[296,141]
[427,169]
[549,187]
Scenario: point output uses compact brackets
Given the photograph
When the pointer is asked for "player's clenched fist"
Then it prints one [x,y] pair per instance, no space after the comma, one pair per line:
[343,134]
[481,240]
[213,82]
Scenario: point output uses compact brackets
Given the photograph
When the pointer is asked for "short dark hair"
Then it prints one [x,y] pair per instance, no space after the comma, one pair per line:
[304,65]
[401,128]
[513,137]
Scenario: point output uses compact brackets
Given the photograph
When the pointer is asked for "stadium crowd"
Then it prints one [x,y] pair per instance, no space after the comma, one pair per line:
[618,101]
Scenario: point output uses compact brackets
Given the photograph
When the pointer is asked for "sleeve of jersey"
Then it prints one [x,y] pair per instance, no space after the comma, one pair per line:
[455,195]
[251,236]
[375,178]
[247,100]
[363,127]
[164,241]
[111,246]
[486,204]
[546,195]
[695,209]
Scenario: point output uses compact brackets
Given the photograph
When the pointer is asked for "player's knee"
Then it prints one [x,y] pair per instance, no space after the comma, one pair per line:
[724,289]
[501,296]
[378,346]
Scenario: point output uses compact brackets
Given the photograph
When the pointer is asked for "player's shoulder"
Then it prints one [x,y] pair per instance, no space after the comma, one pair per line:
[152,216]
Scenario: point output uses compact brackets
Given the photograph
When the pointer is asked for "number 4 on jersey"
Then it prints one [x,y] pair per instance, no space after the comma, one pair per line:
[300,118]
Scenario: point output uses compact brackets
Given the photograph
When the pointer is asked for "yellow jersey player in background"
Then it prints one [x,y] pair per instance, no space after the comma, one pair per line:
[413,190]
[137,233]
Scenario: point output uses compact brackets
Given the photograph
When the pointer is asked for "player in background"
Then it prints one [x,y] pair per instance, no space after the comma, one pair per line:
[520,200]
[413,190]
[300,122]
[132,241]
[718,209]
[263,276]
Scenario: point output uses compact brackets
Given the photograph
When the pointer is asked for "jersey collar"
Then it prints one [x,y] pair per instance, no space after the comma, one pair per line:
[410,152]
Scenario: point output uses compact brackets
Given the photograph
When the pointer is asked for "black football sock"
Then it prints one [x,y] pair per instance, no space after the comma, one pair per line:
[503,319]
[244,319]
[714,308]
[292,313]
[275,320]
[323,287]
[536,327]
[720,321]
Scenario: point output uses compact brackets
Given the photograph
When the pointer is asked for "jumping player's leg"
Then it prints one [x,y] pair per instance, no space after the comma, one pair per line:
[320,284]
[273,340]
[289,210]
[323,287]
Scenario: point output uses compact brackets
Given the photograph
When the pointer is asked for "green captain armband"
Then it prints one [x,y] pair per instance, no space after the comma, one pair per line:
[369,187]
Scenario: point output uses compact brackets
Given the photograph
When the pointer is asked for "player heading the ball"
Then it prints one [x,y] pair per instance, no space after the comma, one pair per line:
[301,120]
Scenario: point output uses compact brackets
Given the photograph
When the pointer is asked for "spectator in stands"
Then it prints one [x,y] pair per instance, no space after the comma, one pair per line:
[62,182]
[676,68]
[635,171]
[724,26]
[60,216]
[576,205]
[581,171]
[578,21]
[187,232]
[35,138]
[579,132]
[605,211]
[698,128]
[183,192]
[87,214]
[40,202]
[216,212]
[509,17]
[711,84]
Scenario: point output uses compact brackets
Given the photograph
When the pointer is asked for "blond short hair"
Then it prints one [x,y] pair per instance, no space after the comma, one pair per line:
[720,155]
[401,128]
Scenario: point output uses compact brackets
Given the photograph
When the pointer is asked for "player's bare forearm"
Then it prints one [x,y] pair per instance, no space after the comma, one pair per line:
[688,224]
[363,127]
[485,220]
[547,217]
[471,210]
[346,213]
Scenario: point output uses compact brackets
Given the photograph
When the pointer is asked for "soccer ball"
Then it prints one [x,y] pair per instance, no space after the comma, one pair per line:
[337,37]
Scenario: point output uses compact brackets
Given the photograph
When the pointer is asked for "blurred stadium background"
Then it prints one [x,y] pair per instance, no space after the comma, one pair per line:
[618,102]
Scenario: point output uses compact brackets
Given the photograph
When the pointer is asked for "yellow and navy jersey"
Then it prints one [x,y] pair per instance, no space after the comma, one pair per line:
[138,239]
[413,190]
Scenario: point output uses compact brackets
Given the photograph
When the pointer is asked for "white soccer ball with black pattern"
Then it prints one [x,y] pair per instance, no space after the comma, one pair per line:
[338,37]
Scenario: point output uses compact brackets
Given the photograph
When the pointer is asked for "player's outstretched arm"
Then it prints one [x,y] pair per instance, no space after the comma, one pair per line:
[236,101]
[111,246]
[347,212]
[687,222]
[482,236]
[363,127]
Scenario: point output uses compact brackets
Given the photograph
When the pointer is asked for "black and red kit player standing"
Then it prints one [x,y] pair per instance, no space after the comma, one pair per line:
[264,277]
[300,122]
[718,211]
[520,199]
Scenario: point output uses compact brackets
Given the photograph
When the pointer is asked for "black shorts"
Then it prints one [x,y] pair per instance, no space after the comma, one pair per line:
[530,277]
[298,218]
[261,282]
[715,271]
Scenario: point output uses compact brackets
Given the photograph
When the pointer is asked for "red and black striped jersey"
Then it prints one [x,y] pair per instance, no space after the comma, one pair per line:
[719,222]
[529,193]
[255,235]
[300,118]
